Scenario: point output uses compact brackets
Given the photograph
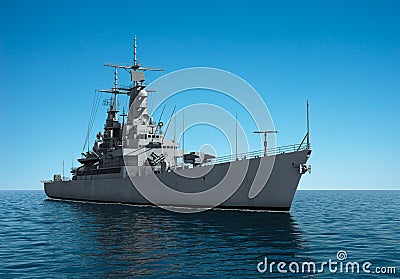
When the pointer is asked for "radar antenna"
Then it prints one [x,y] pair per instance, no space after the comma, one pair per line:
[265,138]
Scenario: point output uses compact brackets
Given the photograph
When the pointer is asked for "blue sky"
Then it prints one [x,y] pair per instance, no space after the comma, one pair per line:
[344,56]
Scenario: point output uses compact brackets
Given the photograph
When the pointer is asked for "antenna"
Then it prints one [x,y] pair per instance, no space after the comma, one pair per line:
[123,116]
[115,77]
[88,137]
[236,137]
[265,138]
[123,122]
[175,141]
[183,131]
[308,126]
[115,87]
[134,51]
[169,122]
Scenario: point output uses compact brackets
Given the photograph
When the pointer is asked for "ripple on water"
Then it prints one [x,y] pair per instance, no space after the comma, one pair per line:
[44,238]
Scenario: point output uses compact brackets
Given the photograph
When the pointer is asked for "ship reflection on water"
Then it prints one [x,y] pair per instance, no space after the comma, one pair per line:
[122,240]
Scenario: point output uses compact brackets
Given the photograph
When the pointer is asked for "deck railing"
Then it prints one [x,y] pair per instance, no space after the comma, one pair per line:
[258,153]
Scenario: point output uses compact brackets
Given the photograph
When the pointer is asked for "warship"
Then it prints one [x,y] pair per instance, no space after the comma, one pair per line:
[132,162]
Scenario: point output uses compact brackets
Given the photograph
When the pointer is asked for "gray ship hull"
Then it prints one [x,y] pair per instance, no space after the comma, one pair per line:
[276,194]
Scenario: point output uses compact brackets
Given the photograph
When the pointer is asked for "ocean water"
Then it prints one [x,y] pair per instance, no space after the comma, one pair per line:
[41,238]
